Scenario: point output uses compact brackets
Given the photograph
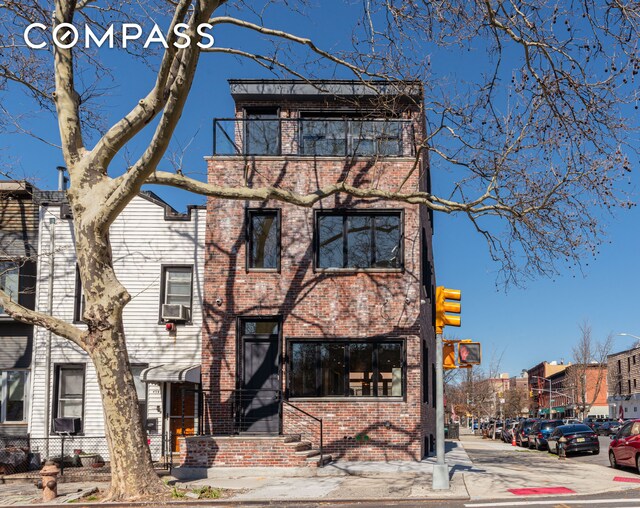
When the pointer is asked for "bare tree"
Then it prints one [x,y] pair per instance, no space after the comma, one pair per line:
[589,368]
[516,402]
[536,145]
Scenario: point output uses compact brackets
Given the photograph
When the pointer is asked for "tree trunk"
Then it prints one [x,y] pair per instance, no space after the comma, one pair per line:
[132,473]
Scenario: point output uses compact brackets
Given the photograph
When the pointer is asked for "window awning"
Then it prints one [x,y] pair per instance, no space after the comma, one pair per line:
[175,373]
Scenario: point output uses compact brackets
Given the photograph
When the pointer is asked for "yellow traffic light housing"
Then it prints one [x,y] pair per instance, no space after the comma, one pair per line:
[449,356]
[469,353]
[446,310]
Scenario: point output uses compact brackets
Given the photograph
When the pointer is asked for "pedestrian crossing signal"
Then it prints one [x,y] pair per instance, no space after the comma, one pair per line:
[469,353]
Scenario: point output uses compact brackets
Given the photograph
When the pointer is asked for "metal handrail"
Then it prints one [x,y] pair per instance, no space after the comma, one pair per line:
[298,140]
[319,420]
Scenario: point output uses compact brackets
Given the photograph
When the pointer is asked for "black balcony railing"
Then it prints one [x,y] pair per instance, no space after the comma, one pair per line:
[318,137]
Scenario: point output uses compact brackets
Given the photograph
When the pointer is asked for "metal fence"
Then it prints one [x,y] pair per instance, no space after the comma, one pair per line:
[77,456]
[320,137]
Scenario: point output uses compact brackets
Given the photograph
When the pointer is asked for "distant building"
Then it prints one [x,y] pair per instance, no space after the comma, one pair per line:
[579,391]
[624,388]
[538,383]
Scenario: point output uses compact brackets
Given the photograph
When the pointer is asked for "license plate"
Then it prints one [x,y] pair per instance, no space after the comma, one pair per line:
[580,440]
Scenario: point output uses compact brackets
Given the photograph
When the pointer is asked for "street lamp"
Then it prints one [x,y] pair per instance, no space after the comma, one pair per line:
[624,334]
[547,379]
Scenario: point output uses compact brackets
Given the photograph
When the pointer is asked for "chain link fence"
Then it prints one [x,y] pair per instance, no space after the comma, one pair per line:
[78,457]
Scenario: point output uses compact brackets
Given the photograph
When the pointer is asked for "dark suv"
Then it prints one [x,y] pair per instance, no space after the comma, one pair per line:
[540,432]
[522,431]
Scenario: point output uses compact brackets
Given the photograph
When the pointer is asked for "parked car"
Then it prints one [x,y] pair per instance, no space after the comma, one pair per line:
[608,428]
[594,423]
[579,438]
[522,431]
[540,432]
[508,430]
[569,421]
[624,449]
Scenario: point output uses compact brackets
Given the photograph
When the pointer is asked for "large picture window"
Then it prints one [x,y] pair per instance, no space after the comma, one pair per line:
[263,239]
[9,280]
[359,239]
[346,369]
[13,396]
[69,391]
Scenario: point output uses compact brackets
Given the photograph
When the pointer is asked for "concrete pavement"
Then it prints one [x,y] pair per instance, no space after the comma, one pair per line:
[499,467]
[480,470]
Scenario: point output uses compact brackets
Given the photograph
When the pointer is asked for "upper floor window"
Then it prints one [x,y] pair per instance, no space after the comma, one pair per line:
[13,396]
[263,239]
[262,132]
[78,299]
[177,286]
[359,239]
[9,280]
[350,136]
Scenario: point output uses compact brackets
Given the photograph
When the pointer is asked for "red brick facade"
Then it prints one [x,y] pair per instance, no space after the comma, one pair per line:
[314,304]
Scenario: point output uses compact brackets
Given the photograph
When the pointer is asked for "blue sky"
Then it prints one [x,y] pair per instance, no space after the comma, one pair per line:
[520,326]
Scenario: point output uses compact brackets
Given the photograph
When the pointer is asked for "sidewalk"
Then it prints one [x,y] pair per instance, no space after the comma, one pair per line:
[498,466]
[480,470]
[340,481]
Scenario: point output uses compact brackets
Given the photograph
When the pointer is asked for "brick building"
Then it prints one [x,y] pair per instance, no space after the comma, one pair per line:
[538,378]
[624,383]
[579,391]
[322,313]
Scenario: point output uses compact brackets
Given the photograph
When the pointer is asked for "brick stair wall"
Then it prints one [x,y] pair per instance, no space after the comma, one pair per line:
[248,451]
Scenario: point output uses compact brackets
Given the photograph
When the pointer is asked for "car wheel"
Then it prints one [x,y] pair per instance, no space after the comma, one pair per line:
[596,452]
[612,460]
[638,463]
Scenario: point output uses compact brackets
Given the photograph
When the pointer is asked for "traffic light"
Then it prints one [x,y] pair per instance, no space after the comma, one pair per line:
[469,353]
[449,356]
[443,307]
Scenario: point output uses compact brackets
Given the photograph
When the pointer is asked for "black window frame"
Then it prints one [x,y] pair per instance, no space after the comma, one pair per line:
[58,367]
[143,414]
[346,342]
[78,299]
[249,214]
[345,213]
[16,267]
[246,118]
[163,285]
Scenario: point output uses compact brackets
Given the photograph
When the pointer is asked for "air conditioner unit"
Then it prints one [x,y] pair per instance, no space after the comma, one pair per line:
[67,425]
[175,312]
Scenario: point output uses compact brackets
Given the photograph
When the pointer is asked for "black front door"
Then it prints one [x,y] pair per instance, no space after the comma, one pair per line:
[259,396]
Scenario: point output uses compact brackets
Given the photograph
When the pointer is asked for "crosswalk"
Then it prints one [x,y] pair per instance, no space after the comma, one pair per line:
[559,503]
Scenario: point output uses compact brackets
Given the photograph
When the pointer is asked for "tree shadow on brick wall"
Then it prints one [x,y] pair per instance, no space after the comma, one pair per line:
[283,295]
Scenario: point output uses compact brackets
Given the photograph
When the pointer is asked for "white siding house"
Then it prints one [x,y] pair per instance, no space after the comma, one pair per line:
[158,256]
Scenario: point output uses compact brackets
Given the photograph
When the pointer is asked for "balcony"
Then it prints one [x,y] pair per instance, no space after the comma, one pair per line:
[313,137]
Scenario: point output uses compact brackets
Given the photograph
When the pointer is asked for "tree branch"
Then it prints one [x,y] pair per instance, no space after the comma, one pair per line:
[32,317]
[308,200]
[66,97]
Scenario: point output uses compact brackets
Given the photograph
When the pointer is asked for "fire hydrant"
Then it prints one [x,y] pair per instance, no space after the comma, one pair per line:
[562,454]
[49,474]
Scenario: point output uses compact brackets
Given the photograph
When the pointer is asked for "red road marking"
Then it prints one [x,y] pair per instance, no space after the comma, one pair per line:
[541,491]
[624,479]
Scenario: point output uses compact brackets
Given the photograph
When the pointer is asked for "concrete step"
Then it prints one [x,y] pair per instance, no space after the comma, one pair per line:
[291,438]
[314,461]
[300,446]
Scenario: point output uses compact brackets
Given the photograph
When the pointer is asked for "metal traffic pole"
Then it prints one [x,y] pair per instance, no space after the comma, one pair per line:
[440,470]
